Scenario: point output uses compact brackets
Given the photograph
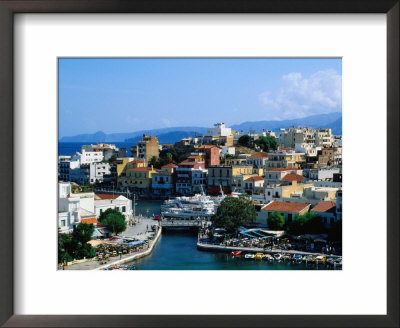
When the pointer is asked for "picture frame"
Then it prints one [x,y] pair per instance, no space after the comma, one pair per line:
[7,10]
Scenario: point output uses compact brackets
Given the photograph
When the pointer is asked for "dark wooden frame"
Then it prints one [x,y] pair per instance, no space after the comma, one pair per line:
[7,10]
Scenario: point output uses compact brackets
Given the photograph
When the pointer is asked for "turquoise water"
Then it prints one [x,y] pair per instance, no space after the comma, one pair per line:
[176,250]
[147,207]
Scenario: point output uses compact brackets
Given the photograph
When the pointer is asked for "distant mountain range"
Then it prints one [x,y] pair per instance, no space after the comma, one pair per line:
[100,136]
[169,137]
[174,134]
[321,121]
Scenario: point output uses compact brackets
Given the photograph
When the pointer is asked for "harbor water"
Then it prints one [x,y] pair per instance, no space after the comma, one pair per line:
[177,250]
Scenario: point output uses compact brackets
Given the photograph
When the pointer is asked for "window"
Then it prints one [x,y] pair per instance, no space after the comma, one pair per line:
[123,209]
[63,223]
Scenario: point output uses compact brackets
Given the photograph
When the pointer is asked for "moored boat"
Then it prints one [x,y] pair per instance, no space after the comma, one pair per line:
[237,253]
[308,258]
[258,256]
[249,256]
[320,259]
[268,257]
[297,258]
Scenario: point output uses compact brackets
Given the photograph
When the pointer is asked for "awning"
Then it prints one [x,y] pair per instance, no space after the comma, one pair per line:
[133,243]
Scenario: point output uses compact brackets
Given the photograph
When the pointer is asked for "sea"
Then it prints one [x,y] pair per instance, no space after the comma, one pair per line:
[70,148]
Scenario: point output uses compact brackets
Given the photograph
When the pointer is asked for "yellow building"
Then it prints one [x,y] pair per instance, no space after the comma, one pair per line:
[227,177]
[146,148]
[235,161]
[285,159]
[278,192]
[139,179]
[126,163]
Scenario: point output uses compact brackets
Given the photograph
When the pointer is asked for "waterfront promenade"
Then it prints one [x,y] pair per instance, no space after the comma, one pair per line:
[142,231]
[223,248]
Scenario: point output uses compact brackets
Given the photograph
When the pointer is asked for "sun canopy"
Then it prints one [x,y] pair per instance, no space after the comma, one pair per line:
[133,243]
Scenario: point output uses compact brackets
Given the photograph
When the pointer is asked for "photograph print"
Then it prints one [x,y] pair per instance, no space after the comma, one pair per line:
[199,164]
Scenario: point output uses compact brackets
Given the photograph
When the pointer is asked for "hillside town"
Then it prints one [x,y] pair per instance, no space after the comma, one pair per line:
[294,172]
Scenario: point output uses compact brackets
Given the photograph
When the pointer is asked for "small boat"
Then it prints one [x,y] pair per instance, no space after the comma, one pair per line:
[236,253]
[268,257]
[308,258]
[249,256]
[337,263]
[297,258]
[277,257]
[320,259]
[258,256]
[330,260]
[286,257]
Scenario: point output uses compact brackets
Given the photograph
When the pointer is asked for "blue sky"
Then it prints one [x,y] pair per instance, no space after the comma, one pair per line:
[125,95]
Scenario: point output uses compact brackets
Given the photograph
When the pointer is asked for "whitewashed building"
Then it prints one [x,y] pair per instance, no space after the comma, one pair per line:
[102,202]
[199,180]
[322,174]
[219,130]
[97,171]
[87,157]
[227,151]
[257,160]
[74,208]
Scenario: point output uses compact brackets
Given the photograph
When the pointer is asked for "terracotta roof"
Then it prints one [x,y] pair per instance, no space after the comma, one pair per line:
[168,166]
[191,163]
[259,155]
[136,161]
[283,169]
[207,147]
[256,178]
[293,177]
[106,196]
[88,221]
[324,206]
[140,169]
[285,207]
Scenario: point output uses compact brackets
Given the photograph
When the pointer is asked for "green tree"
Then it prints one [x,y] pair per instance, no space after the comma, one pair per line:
[84,232]
[86,250]
[335,231]
[246,141]
[169,157]
[267,143]
[276,221]
[306,223]
[233,213]
[67,248]
[113,220]
[153,161]
[64,241]
[177,154]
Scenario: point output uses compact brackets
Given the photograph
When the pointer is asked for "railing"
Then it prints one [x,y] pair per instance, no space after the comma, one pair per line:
[183,223]
[180,224]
